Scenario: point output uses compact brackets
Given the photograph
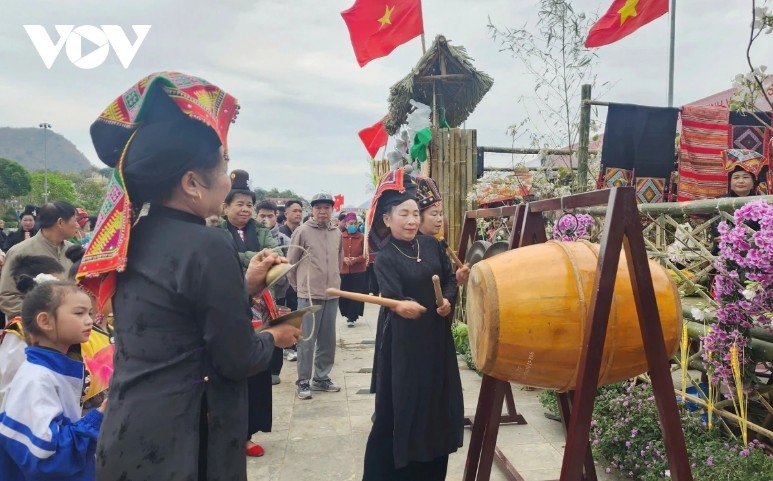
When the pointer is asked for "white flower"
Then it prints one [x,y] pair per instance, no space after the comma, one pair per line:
[748,294]
[698,314]
[762,19]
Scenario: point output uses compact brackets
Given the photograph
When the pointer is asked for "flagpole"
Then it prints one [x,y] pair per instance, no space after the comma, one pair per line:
[671,55]
[423,44]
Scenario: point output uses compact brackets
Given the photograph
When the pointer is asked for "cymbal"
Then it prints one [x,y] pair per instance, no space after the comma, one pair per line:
[275,273]
[476,251]
[496,248]
[294,318]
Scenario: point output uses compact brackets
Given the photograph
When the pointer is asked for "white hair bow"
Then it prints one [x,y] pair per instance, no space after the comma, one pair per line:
[41,278]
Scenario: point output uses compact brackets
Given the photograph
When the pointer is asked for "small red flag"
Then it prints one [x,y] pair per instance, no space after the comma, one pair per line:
[377,27]
[374,137]
[338,202]
[623,18]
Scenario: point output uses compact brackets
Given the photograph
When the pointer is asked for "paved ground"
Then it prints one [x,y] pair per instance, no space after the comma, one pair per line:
[324,438]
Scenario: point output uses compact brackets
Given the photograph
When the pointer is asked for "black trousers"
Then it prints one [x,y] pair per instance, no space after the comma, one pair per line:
[277,359]
[260,402]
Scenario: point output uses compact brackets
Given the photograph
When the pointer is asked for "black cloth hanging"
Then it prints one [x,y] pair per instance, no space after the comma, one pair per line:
[640,138]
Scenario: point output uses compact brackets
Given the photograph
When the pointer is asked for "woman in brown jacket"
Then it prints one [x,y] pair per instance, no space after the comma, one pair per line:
[353,276]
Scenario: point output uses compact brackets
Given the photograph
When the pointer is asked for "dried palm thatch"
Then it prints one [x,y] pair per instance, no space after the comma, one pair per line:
[447,72]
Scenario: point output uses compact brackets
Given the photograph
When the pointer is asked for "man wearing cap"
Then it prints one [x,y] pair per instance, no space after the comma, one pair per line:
[321,243]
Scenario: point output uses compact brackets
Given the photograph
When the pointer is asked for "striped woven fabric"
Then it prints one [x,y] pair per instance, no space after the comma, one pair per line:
[704,137]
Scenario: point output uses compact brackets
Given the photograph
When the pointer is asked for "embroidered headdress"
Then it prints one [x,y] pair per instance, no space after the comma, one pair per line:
[427,193]
[750,161]
[394,188]
[157,111]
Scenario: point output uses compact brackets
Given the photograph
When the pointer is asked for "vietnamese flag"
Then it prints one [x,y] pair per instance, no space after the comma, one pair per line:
[374,137]
[623,18]
[377,27]
[338,202]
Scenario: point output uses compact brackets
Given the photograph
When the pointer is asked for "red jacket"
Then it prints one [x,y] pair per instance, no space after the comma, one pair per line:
[354,246]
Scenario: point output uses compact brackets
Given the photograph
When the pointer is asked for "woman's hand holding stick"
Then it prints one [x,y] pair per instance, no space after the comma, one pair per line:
[438,291]
[443,305]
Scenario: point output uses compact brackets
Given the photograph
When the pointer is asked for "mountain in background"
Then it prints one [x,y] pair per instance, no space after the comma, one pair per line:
[25,146]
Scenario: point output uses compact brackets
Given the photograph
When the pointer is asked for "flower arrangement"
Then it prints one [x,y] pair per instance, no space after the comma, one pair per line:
[743,288]
[496,186]
[571,227]
[626,433]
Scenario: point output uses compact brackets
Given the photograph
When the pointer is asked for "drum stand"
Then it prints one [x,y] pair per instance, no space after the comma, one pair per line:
[622,230]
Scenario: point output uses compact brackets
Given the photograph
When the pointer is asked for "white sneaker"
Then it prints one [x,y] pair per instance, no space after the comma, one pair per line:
[350,323]
[291,355]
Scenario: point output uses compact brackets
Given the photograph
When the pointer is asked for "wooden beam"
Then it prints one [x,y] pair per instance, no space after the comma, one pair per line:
[442,77]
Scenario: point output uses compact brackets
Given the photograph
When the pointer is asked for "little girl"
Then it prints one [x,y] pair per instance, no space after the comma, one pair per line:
[42,434]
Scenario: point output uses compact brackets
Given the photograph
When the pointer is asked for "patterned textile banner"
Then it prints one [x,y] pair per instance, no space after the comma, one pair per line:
[650,190]
[704,137]
[614,177]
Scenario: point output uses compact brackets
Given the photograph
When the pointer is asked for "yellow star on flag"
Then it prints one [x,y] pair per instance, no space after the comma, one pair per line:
[386,18]
[628,10]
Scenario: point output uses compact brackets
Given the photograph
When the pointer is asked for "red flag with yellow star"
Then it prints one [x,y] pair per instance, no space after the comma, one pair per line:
[623,18]
[377,27]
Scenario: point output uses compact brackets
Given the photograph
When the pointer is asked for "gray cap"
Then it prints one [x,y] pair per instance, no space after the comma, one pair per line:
[322,198]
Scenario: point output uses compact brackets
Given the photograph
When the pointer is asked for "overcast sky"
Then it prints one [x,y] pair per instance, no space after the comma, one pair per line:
[303,96]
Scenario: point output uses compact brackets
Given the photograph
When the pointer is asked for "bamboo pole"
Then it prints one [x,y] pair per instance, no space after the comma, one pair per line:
[584,134]
[726,414]
[704,206]
[761,350]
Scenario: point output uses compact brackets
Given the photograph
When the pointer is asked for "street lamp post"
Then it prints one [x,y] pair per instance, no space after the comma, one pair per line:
[45,128]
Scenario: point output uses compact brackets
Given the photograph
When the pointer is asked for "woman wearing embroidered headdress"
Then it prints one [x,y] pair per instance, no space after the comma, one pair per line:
[419,419]
[184,339]
[249,238]
[431,210]
[743,168]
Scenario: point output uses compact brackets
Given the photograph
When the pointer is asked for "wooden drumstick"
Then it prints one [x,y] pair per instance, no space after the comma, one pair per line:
[356,296]
[438,291]
[457,262]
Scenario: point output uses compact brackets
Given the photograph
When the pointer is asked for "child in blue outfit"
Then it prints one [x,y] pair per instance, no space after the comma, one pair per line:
[42,433]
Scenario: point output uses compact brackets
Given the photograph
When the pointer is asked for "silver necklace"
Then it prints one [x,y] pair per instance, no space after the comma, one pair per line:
[418,252]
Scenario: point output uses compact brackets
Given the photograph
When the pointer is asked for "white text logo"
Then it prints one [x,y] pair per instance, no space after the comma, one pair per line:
[71,37]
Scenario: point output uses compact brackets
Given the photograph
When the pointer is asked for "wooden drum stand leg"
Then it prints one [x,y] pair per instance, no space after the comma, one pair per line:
[622,231]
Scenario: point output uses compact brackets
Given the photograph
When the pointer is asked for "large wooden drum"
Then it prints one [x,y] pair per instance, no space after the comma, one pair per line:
[527,311]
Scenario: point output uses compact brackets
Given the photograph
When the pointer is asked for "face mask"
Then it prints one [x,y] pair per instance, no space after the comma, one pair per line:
[351,229]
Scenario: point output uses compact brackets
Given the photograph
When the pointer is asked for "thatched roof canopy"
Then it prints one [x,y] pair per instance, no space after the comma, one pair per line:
[458,85]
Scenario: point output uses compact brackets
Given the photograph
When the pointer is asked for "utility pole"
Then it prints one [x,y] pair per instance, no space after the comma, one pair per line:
[45,128]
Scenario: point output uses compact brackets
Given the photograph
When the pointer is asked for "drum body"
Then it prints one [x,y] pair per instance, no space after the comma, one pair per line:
[527,311]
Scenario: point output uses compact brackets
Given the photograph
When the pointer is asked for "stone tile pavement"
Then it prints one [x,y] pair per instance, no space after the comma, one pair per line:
[324,438]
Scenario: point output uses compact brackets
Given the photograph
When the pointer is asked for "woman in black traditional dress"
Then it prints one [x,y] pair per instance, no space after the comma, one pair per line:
[184,339]
[419,406]
[431,223]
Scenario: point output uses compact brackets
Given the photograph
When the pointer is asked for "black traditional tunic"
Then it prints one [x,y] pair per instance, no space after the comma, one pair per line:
[184,349]
[259,396]
[419,407]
